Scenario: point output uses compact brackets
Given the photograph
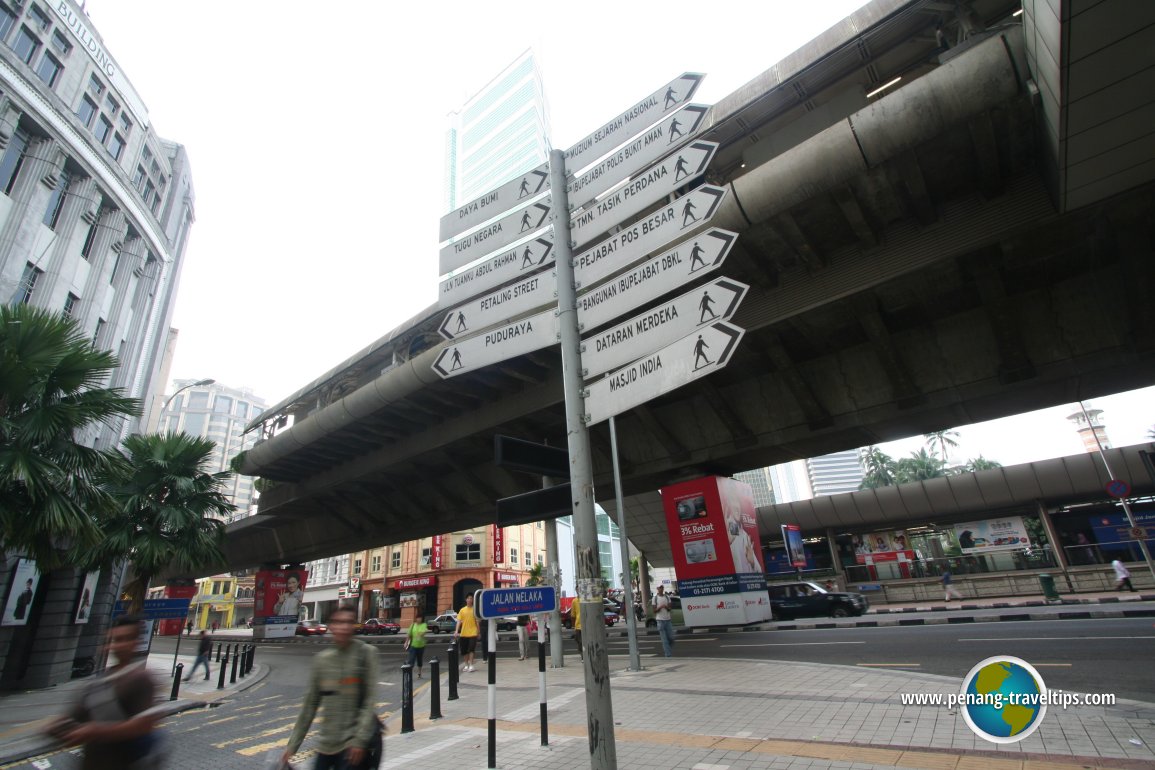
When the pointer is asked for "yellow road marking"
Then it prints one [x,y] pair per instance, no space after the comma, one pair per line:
[262,734]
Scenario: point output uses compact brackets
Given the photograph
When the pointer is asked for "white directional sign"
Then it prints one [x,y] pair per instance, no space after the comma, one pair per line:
[663,274]
[631,122]
[507,302]
[700,353]
[647,236]
[495,202]
[498,344]
[501,268]
[650,186]
[636,155]
[495,235]
[716,301]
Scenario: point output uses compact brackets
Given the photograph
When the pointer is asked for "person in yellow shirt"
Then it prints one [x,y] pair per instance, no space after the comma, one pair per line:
[575,610]
[467,632]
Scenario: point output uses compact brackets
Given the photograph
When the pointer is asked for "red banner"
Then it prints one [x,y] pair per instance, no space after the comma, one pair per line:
[498,545]
[506,577]
[279,592]
[697,529]
[435,557]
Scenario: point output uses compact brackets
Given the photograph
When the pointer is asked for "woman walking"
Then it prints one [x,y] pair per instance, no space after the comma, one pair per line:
[415,641]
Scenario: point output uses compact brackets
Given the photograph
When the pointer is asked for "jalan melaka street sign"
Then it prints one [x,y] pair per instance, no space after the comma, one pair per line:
[498,344]
[495,235]
[510,301]
[717,300]
[647,235]
[700,353]
[514,192]
[634,156]
[500,602]
[519,261]
[648,187]
[667,272]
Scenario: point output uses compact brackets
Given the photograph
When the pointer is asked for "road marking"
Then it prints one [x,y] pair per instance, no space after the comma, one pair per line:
[1052,665]
[534,710]
[787,644]
[279,730]
[1049,638]
[900,665]
[707,639]
[422,755]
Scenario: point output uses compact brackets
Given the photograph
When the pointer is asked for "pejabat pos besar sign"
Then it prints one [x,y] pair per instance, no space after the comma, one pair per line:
[713,533]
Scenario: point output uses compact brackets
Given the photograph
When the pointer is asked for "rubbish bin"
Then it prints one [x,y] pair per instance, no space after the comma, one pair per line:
[1047,583]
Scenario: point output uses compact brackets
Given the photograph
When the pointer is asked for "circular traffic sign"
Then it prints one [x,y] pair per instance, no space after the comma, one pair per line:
[1118,488]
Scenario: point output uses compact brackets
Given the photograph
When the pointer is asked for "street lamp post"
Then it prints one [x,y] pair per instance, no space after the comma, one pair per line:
[176,392]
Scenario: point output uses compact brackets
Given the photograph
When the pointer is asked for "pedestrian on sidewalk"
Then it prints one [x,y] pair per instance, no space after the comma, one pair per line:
[948,587]
[112,718]
[1122,576]
[204,652]
[215,624]
[342,683]
[415,641]
[576,611]
[188,628]
[522,637]
[665,621]
[466,633]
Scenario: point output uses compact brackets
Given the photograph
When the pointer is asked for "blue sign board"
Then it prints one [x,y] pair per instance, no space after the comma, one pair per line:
[160,609]
[499,602]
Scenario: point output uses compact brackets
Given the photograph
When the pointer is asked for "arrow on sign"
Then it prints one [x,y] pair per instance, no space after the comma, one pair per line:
[495,202]
[498,344]
[690,358]
[495,235]
[716,301]
[507,302]
[631,158]
[647,236]
[501,268]
[633,121]
[646,188]
[666,272]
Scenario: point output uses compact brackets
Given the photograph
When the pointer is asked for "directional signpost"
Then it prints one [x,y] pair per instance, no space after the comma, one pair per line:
[158,609]
[505,303]
[671,270]
[498,344]
[518,262]
[646,188]
[503,602]
[495,235]
[690,358]
[659,326]
[514,192]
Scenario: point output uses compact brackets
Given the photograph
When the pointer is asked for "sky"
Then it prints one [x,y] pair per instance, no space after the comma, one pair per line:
[315,133]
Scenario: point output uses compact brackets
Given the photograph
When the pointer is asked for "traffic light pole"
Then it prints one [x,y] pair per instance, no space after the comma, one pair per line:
[603,752]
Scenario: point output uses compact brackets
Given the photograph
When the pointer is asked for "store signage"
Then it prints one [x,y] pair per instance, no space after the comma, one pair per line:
[425,581]
[498,545]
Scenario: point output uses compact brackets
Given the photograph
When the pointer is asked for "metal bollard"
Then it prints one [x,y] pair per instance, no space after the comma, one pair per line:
[224,667]
[219,646]
[407,698]
[252,655]
[176,682]
[244,660]
[453,673]
[236,660]
[434,689]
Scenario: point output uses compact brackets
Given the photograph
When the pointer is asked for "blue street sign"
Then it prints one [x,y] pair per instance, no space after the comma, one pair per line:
[500,602]
[160,609]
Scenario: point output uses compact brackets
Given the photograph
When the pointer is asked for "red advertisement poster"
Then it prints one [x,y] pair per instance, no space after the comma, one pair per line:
[498,545]
[697,529]
[279,593]
[435,556]
[741,526]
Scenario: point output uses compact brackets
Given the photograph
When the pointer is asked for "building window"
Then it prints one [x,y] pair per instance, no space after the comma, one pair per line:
[100,323]
[27,285]
[223,405]
[103,129]
[540,560]
[116,146]
[138,178]
[40,18]
[70,304]
[25,45]
[528,559]
[226,586]
[198,399]
[7,22]
[395,560]
[12,160]
[357,567]
[174,405]
[468,552]
[125,124]
[216,587]
[95,87]
[86,111]
[426,556]
[375,564]
[111,106]
[56,200]
[513,557]
[49,70]
[61,44]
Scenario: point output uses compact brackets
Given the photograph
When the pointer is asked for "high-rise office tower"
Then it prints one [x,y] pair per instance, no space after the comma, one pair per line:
[759,481]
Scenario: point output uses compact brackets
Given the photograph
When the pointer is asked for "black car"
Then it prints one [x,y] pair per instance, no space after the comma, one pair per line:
[804,599]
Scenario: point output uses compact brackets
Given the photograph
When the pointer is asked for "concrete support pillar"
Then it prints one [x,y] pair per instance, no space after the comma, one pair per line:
[80,199]
[126,269]
[111,228]
[37,177]
[643,583]
[1053,539]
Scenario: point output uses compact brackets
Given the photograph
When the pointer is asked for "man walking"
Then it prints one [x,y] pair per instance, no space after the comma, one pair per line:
[522,637]
[948,587]
[466,632]
[665,622]
[342,683]
[204,652]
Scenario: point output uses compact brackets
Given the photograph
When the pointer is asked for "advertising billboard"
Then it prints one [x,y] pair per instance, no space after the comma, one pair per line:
[1003,534]
[795,551]
[24,583]
[713,534]
[87,595]
[277,602]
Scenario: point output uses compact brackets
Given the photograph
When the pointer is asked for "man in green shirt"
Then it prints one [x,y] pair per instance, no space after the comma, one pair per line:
[342,683]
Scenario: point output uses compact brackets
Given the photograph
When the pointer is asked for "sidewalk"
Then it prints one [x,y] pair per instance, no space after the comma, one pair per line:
[710,714]
[23,715]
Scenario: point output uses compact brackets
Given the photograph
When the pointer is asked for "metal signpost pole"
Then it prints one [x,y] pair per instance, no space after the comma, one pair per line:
[553,578]
[628,604]
[603,752]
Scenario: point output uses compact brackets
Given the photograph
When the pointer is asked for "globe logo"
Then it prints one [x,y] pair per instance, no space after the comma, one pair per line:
[1003,699]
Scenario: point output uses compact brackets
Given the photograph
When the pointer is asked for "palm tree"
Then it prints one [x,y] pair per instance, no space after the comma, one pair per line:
[535,575]
[941,442]
[1151,433]
[981,463]
[51,388]
[920,466]
[880,468]
[164,507]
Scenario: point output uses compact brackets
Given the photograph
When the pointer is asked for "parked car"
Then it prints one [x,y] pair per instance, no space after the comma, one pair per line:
[376,627]
[612,617]
[311,628]
[804,599]
[609,609]
[506,624]
[443,624]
